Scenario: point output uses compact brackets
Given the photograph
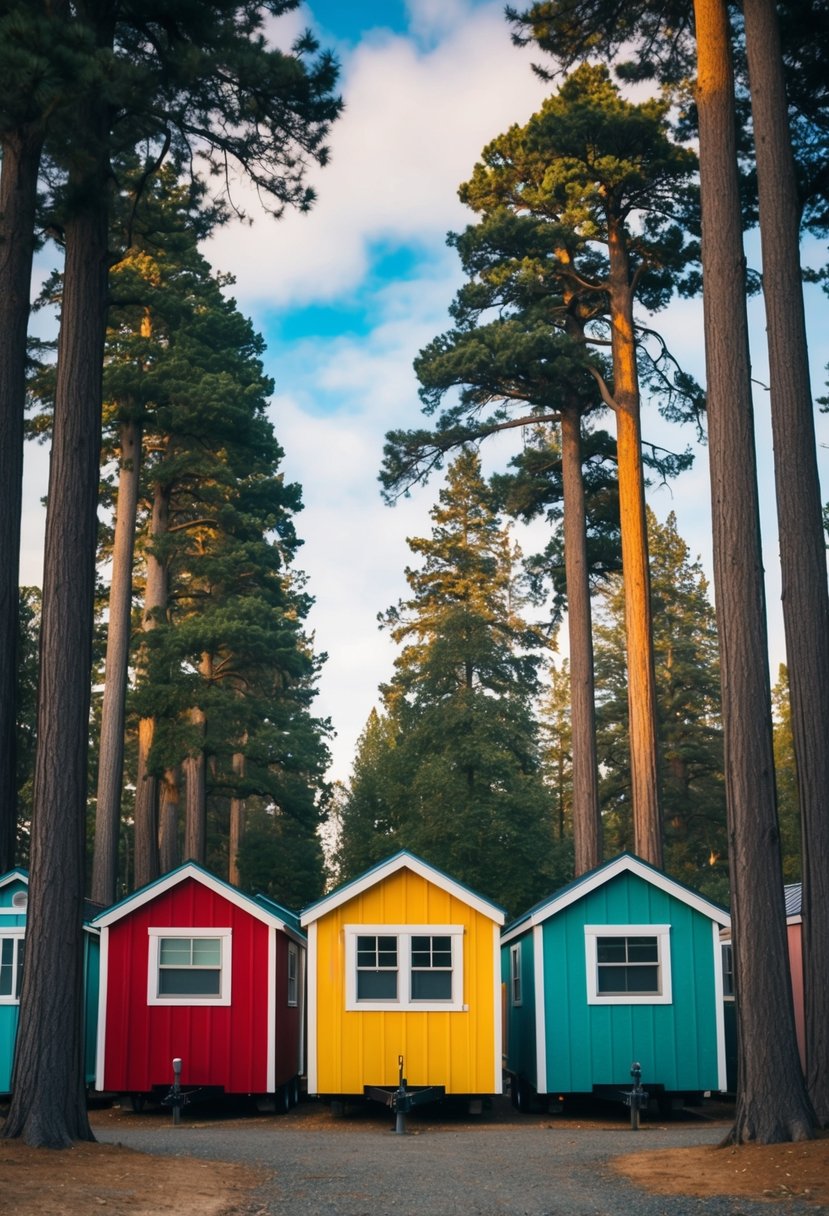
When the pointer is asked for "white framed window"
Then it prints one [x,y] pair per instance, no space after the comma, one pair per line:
[515,974]
[189,967]
[12,946]
[727,970]
[628,964]
[418,967]
[293,973]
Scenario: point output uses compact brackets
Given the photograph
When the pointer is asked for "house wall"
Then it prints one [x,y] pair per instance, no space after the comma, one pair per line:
[218,1045]
[587,1045]
[794,938]
[520,1020]
[9,919]
[460,1050]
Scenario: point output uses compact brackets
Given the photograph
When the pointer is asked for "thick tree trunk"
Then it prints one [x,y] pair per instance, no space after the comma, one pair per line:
[644,764]
[168,816]
[771,1102]
[237,823]
[195,802]
[587,834]
[799,515]
[146,783]
[111,753]
[18,202]
[49,1105]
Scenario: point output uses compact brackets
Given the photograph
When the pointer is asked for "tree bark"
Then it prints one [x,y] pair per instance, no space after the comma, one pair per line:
[805,593]
[146,783]
[111,753]
[587,835]
[48,1105]
[644,764]
[18,203]
[237,823]
[168,816]
[195,804]
[771,1102]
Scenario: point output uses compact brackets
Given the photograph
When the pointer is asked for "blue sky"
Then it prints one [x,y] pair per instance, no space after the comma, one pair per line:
[347,295]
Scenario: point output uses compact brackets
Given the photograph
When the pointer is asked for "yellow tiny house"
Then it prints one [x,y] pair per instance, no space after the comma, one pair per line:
[403,961]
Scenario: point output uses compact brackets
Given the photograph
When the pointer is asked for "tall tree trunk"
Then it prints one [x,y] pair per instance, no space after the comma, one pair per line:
[168,803]
[805,593]
[111,753]
[644,765]
[195,804]
[49,1103]
[772,1104]
[18,202]
[146,784]
[237,823]
[587,836]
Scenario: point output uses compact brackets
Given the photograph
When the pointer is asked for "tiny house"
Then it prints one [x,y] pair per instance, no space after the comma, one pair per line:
[403,963]
[621,966]
[194,969]
[14,899]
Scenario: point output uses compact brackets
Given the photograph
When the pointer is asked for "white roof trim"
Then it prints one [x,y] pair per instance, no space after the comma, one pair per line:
[147,894]
[620,865]
[401,861]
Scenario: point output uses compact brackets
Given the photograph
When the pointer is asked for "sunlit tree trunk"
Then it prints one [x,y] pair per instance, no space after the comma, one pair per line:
[237,822]
[168,816]
[195,803]
[644,766]
[111,751]
[771,1102]
[18,202]
[587,840]
[805,594]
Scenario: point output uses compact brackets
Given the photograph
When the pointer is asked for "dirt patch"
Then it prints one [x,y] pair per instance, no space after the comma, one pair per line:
[116,1181]
[757,1171]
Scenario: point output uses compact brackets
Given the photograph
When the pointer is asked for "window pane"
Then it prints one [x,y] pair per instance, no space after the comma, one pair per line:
[441,952]
[421,951]
[188,982]
[6,968]
[377,985]
[366,951]
[642,950]
[610,949]
[207,952]
[175,951]
[628,979]
[387,951]
[431,985]
[21,947]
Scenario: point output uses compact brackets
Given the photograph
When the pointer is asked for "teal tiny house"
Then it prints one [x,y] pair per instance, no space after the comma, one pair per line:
[621,966]
[14,897]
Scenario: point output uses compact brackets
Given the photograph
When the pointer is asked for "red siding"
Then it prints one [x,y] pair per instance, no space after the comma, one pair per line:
[219,1045]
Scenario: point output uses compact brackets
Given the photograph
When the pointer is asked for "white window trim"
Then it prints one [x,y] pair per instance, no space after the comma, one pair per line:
[404,935]
[155,936]
[18,933]
[516,974]
[662,933]
[293,953]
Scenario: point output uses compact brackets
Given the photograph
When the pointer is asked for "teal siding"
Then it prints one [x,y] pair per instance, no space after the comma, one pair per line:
[521,1052]
[9,919]
[595,1045]
[92,981]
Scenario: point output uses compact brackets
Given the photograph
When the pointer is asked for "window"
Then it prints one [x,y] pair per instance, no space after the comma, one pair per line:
[11,968]
[293,973]
[628,964]
[404,967]
[728,970]
[515,973]
[189,967]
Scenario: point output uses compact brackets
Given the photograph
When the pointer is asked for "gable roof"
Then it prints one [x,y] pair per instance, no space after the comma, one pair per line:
[404,860]
[18,874]
[15,875]
[264,910]
[625,863]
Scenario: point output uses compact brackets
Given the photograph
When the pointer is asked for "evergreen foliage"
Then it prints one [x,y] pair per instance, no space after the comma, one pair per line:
[452,769]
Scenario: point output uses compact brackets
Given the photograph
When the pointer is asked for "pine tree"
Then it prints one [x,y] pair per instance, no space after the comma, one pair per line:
[466,787]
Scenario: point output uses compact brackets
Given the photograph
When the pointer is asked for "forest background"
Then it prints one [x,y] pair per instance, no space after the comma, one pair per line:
[347,295]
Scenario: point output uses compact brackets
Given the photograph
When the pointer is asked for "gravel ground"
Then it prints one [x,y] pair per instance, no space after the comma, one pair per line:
[475,1169]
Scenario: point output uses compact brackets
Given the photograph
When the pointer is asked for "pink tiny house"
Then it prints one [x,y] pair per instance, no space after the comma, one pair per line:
[192,968]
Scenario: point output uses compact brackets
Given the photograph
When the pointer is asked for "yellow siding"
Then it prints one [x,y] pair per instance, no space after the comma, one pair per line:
[456,1049]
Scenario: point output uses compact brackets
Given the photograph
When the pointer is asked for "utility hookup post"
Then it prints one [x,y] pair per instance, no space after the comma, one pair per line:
[637,1098]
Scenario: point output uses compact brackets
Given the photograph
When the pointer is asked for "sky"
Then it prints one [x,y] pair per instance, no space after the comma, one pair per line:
[347,295]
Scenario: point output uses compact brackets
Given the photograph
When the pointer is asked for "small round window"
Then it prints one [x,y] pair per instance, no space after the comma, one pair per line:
[20,900]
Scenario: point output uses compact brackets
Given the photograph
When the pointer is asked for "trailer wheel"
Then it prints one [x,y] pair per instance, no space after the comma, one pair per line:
[133,1103]
[523,1095]
[294,1091]
[283,1099]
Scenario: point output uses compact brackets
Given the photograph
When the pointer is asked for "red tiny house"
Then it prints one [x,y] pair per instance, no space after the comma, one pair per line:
[192,968]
